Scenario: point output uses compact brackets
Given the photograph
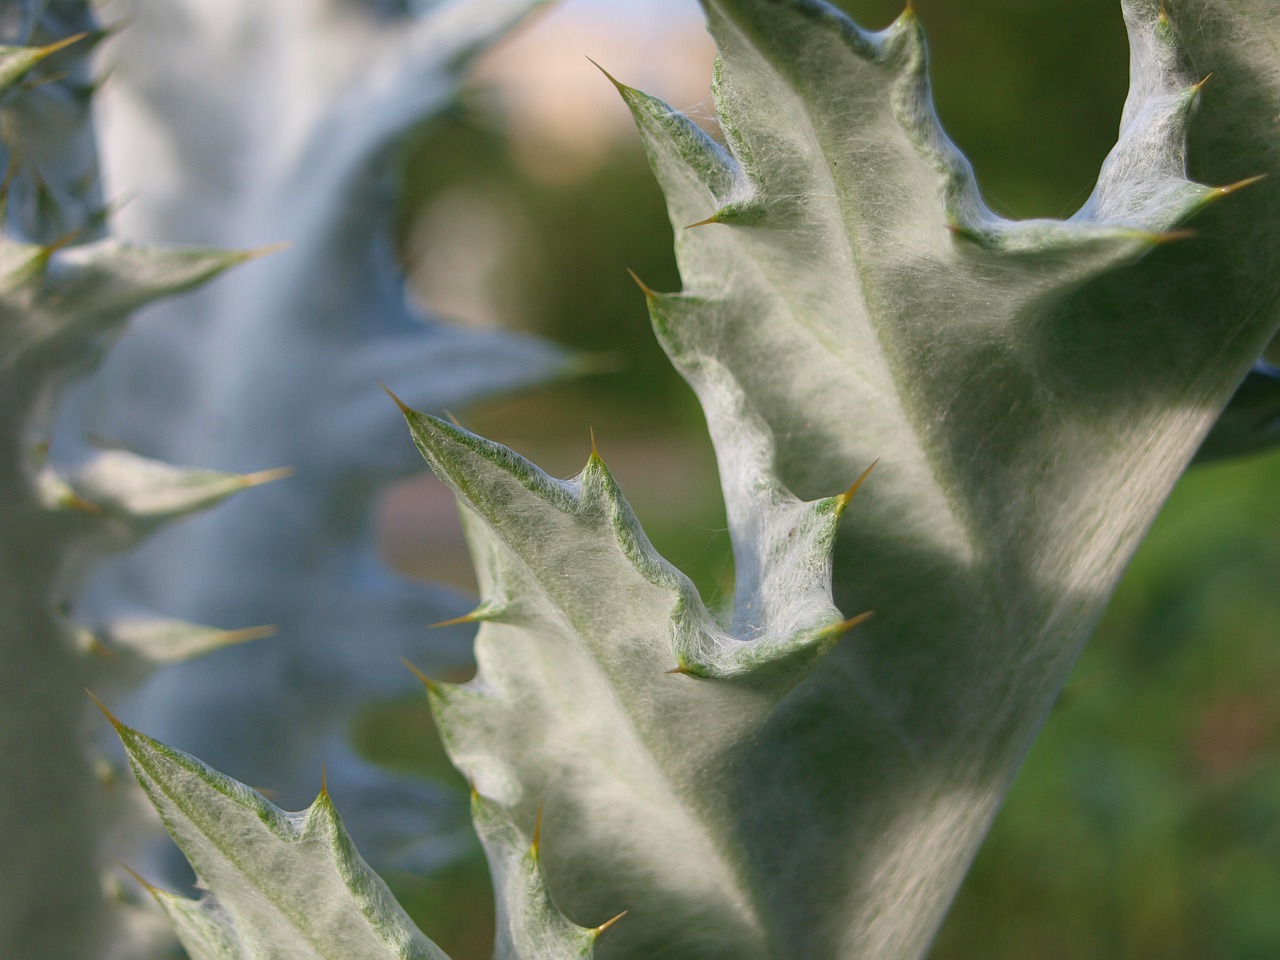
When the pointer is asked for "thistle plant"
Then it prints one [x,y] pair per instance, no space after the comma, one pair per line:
[65,293]
[808,773]
[300,142]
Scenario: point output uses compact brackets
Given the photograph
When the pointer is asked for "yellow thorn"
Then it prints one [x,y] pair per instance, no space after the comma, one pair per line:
[845,497]
[537,835]
[256,253]
[76,502]
[63,241]
[1171,236]
[846,625]
[1197,87]
[595,452]
[111,717]
[61,45]
[714,218]
[454,420]
[399,403]
[426,681]
[620,87]
[265,476]
[1231,188]
[231,638]
[142,882]
[649,294]
[324,781]
[1164,14]
[681,670]
[471,617]
[607,924]
[910,9]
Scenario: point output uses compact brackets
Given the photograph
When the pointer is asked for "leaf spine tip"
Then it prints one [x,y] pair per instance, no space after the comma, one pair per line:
[622,88]
[1168,236]
[248,480]
[1197,87]
[714,218]
[845,497]
[426,681]
[595,451]
[111,717]
[244,256]
[844,626]
[73,501]
[474,616]
[536,845]
[404,408]
[644,287]
[454,420]
[1163,15]
[1231,188]
[142,881]
[48,250]
[608,923]
[231,638]
[324,782]
[62,44]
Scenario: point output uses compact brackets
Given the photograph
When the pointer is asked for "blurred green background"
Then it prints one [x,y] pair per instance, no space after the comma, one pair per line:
[1145,823]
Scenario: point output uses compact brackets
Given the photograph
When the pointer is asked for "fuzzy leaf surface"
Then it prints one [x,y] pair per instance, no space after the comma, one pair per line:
[1031,391]
[284,886]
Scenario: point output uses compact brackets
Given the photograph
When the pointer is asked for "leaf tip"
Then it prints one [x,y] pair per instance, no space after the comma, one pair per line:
[257,253]
[536,845]
[232,638]
[618,85]
[843,499]
[405,409]
[714,218]
[844,626]
[261,477]
[1239,185]
[111,717]
[644,287]
[596,932]
[142,881]
[431,685]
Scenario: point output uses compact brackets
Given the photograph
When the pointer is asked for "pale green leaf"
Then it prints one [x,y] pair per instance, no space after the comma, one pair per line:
[284,886]
[1031,391]
[281,886]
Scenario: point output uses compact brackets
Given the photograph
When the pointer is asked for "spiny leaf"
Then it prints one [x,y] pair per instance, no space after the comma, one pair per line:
[147,491]
[282,886]
[1031,391]
[158,640]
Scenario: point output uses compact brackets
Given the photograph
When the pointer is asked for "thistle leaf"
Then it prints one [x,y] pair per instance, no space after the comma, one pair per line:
[281,885]
[286,886]
[280,363]
[1031,391]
